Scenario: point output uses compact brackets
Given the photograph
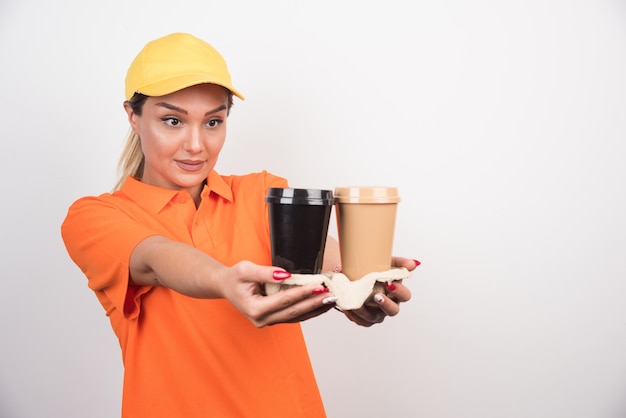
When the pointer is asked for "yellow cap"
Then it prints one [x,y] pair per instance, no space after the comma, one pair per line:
[174,62]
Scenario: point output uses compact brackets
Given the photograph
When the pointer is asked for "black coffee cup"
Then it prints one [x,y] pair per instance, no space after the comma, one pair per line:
[299,220]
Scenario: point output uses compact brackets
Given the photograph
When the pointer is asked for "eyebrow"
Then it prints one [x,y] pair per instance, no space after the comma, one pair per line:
[184,112]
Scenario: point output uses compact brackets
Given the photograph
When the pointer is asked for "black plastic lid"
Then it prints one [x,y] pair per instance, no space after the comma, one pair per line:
[300,196]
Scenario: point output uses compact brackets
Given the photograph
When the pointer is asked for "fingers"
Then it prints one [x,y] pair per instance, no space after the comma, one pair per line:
[389,301]
[380,305]
[386,305]
[397,291]
[407,263]
[244,285]
[294,304]
[262,274]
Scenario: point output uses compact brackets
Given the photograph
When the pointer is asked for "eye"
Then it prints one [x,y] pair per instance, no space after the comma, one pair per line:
[214,122]
[170,120]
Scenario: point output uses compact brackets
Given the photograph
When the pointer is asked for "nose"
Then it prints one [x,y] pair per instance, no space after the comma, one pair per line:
[193,142]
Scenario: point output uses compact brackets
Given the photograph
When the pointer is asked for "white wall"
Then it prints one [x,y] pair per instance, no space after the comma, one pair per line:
[502,124]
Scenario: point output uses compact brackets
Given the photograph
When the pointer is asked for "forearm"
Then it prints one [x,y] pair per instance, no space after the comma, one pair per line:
[158,261]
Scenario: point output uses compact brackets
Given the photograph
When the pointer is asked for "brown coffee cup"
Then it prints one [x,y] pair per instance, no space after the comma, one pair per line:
[366,218]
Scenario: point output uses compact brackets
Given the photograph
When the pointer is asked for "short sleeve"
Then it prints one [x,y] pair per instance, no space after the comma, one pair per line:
[100,239]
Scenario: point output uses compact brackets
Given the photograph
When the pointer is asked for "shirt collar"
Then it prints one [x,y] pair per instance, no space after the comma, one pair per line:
[217,185]
[154,198]
[151,198]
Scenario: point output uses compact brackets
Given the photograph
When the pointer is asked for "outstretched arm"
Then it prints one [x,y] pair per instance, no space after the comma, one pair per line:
[159,261]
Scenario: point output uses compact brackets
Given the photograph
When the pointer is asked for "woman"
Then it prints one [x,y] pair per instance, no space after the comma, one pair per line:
[178,254]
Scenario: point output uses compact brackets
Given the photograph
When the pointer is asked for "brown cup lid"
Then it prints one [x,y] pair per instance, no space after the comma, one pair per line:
[366,194]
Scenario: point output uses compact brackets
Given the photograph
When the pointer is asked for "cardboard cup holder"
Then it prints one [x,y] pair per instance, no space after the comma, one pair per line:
[351,294]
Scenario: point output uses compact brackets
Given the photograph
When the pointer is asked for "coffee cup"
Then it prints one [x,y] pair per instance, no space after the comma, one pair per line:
[366,219]
[299,220]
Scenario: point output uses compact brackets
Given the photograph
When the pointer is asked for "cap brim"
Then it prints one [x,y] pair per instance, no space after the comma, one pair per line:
[171,85]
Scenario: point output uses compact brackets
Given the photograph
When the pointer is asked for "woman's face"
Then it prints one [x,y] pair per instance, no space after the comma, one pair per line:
[182,135]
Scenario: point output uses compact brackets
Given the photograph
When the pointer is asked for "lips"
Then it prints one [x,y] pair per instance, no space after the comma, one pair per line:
[190,165]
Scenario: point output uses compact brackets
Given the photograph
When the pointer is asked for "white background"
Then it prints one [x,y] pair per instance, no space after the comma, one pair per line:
[503,125]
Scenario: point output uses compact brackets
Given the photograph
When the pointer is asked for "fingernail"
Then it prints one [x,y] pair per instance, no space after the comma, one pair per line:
[281,275]
[390,286]
[417,263]
[329,300]
[378,298]
[320,291]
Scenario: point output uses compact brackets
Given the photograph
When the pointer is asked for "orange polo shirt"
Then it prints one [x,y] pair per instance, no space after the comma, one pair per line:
[186,357]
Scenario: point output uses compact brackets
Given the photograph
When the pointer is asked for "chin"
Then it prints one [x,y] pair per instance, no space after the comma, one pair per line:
[189,181]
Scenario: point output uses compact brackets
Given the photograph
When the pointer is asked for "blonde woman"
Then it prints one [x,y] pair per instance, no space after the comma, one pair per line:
[177,256]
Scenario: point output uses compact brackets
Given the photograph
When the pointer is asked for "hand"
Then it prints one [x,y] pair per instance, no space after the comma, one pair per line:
[243,288]
[384,303]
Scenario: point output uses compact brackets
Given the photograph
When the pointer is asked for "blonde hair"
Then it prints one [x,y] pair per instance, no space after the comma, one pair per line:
[131,161]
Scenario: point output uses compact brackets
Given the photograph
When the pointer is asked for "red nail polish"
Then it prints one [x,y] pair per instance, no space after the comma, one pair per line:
[320,291]
[417,263]
[390,286]
[281,275]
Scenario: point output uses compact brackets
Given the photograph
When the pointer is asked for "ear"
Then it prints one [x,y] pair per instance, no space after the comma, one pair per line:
[133,118]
